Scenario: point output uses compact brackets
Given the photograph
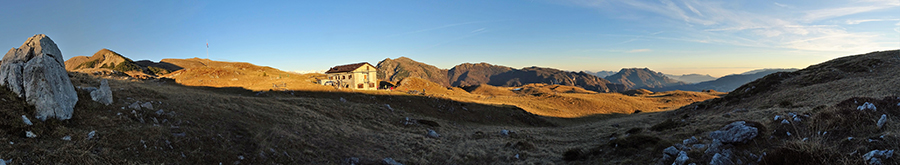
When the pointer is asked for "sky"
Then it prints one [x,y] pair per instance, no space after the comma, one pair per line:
[715,37]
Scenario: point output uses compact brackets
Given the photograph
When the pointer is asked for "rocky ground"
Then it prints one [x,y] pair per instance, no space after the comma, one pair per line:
[843,111]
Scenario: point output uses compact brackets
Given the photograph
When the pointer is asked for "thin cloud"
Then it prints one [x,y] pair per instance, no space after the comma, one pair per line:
[478,30]
[692,9]
[720,23]
[820,14]
[639,51]
[783,5]
[858,21]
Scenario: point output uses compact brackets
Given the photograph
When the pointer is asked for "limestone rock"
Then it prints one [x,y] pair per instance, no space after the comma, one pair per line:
[37,72]
[147,105]
[91,135]
[432,133]
[866,106]
[671,151]
[30,134]
[721,159]
[25,119]
[390,161]
[876,157]
[681,159]
[102,95]
[714,147]
[882,121]
[736,132]
[135,105]
[692,140]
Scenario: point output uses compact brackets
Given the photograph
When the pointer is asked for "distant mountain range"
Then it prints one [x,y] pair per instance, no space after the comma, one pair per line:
[602,73]
[634,78]
[692,78]
[726,83]
[469,74]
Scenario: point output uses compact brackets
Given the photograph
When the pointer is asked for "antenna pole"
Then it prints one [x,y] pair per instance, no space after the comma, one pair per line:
[207,53]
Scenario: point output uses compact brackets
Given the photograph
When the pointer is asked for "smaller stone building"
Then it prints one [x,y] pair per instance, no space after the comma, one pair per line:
[359,76]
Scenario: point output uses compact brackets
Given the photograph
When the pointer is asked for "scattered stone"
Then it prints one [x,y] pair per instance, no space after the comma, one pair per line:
[136,105]
[504,132]
[389,107]
[876,157]
[432,133]
[714,147]
[30,134]
[698,146]
[721,159]
[160,112]
[102,95]
[5,162]
[25,119]
[681,159]
[181,134]
[671,151]
[390,161]
[352,161]
[67,138]
[343,100]
[91,135]
[849,138]
[866,106]
[736,132]
[692,140]
[241,157]
[147,105]
[36,71]
[785,121]
[797,119]
[880,121]
[777,117]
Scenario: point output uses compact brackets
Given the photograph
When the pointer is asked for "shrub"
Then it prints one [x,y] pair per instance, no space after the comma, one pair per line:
[89,64]
[125,66]
[157,70]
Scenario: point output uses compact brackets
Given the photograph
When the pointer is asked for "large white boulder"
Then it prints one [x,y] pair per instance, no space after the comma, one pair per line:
[36,71]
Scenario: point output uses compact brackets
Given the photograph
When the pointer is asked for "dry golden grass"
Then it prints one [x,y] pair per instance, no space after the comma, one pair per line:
[558,100]
[313,124]
[240,74]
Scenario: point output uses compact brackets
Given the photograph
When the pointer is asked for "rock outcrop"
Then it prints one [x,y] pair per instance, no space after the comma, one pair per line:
[102,95]
[36,71]
[736,132]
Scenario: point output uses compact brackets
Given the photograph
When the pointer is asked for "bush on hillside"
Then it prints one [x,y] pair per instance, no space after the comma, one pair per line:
[125,66]
[158,71]
[89,64]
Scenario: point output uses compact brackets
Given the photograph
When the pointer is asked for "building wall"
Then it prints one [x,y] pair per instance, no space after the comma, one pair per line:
[365,75]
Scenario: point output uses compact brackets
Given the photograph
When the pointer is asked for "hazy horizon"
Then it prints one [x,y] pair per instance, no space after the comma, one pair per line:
[670,36]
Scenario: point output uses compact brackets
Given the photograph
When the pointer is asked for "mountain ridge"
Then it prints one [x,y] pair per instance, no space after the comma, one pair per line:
[468,74]
[642,78]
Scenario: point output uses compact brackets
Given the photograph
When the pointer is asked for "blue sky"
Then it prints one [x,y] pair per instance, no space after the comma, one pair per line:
[671,36]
